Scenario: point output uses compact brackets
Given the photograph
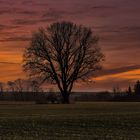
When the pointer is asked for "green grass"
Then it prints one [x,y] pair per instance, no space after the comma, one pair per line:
[80,121]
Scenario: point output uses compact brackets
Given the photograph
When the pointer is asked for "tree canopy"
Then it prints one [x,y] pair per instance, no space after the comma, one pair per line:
[63,53]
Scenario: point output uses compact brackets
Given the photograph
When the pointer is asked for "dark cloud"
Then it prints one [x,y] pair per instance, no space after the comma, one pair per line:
[76,11]
[118,70]
[2,27]
[35,3]
[130,29]
[29,13]
[7,27]
[22,22]
[4,2]
[4,11]
[103,7]
[116,29]
[16,38]
[8,63]
[53,13]
[17,11]
[26,2]
[25,21]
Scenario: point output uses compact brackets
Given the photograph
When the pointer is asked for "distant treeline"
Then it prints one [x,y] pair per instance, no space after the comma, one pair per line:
[107,96]
[41,97]
[55,97]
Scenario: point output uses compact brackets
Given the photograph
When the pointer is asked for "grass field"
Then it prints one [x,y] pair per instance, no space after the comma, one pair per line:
[80,121]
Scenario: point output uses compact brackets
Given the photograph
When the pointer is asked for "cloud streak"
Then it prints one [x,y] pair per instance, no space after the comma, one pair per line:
[9,63]
[118,70]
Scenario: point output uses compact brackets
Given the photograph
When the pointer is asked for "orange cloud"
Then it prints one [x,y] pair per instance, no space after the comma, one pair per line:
[10,57]
[10,72]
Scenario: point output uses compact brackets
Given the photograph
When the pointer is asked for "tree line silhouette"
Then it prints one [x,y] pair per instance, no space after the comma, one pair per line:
[20,85]
[33,92]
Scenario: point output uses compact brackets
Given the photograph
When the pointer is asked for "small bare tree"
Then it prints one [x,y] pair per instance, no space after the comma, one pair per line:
[11,86]
[63,53]
[35,86]
[19,85]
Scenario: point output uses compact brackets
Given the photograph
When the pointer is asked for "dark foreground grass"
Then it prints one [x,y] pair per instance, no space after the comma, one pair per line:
[80,121]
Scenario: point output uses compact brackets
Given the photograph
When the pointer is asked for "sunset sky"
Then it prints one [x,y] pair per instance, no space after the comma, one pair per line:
[116,22]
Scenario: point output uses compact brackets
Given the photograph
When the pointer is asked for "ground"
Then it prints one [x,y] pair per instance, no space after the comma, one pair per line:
[80,121]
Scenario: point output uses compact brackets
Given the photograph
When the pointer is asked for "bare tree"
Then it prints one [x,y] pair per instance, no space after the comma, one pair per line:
[19,85]
[11,86]
[63,53]
[35,86]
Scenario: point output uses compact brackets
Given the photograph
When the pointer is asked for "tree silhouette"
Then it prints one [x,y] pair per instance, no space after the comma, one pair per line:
[137,87]
[35,87]
[19,85]
[129,90]
[11,85]
[1,87]
[63,53]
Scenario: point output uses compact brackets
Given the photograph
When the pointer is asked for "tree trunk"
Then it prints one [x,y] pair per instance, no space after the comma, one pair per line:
[65,98]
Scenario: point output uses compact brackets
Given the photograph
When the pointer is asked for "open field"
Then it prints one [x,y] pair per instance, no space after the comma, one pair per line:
[98,120]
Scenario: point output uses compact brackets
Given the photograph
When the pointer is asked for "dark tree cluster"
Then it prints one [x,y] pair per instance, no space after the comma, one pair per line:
[20,85]
[137,87]
[131,90]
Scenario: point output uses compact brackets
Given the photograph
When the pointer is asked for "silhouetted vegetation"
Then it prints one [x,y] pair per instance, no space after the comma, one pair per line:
[129,91]
[29,90]
[1,87]
[62,54]
[137,87]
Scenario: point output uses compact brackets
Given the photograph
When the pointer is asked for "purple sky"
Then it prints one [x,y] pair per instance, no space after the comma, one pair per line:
[116,22]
